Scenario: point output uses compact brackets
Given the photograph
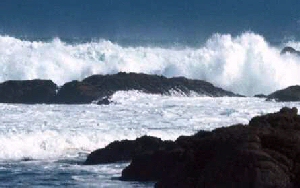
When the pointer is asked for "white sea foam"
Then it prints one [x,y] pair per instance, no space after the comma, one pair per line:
[245,64]
[55,132]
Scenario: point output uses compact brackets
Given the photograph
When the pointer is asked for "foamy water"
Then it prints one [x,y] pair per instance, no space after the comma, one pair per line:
[245,64]
[57,138]
[64,131]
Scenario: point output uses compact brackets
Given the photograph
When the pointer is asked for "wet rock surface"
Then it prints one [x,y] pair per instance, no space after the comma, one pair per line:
[265,153]
[27,91]
[153,84]
[125,150]
[97,88]
[291,93]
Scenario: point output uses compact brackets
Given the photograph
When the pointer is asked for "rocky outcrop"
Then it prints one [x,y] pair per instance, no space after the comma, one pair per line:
[125,150]
[153,84]
[27,91]
[291,93]
[265,153]
[76,92]
[290,50]
[260,96]
[98,88]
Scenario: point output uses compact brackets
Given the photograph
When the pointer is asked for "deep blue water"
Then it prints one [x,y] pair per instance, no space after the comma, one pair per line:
[149,21]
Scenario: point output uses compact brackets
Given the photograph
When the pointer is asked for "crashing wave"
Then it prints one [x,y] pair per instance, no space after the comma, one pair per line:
[244,64]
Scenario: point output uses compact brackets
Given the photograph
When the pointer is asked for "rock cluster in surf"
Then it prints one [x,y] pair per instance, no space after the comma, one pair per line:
[99,87]
[265,153]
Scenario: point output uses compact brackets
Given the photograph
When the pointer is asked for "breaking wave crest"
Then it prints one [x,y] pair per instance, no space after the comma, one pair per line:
[245,64]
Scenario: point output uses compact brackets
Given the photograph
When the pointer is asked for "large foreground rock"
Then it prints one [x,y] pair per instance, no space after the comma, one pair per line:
[27,91]
[265,153]
[291,93]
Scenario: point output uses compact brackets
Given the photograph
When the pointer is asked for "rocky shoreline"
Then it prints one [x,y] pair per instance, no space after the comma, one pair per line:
[264,153]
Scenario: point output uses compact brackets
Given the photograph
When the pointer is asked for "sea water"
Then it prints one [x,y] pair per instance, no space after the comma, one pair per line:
[45,145]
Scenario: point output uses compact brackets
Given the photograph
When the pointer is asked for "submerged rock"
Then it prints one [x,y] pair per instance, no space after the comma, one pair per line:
[291,93]
[27,91]
[104,101]
[289,49]
[266,153]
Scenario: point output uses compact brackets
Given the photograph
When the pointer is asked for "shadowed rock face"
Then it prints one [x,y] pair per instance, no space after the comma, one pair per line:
[291,93]
[27,91]
[125,150]
[76,92]
[265,153]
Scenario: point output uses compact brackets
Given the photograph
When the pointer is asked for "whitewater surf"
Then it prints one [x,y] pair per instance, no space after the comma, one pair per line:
[246,64]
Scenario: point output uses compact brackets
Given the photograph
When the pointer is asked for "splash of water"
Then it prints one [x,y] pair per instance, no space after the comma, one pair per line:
[245,64]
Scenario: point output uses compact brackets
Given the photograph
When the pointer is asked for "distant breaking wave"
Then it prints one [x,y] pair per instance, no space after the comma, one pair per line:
[245,64]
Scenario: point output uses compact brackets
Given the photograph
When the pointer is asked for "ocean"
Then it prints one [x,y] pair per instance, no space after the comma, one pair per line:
[234,45]
[45,145]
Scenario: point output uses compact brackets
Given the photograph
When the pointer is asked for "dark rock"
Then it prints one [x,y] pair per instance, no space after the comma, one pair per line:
[290,50]
[98,87]
[266,153]
[286,119]
[291,93]
[101,87]
[104,101]
[76,92]
[27,91]
[154,84]
[125,150]
[260,96]
[166,162]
